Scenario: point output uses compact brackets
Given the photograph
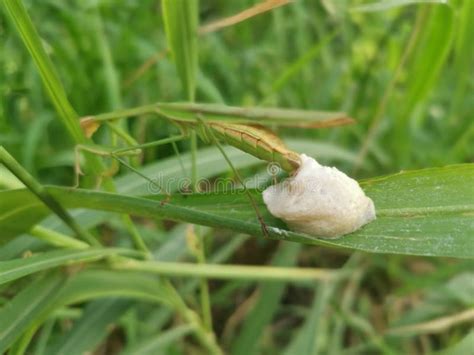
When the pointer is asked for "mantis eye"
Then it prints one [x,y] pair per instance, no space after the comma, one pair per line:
[320,201]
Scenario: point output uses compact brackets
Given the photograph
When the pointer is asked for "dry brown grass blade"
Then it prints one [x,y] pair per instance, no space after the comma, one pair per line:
[436,325]
[244,15]
[142,69]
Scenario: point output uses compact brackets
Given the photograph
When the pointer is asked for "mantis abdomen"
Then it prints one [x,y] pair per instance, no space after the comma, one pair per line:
[255,140]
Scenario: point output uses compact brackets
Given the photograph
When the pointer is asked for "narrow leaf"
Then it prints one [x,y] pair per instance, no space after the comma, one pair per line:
[54,88]
[33,305]
[389,4]
[181,24]
[92,327]
[17,314]
[425,212]
[430,56]
[14,269]
[159,342]
[266,305]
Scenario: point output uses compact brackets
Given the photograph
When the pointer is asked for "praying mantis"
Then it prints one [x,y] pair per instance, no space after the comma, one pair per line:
[244,128]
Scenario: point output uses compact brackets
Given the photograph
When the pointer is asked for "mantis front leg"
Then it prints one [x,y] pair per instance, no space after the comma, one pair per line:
[116,154]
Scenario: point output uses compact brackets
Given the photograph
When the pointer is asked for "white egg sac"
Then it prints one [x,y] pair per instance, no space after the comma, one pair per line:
[320,200]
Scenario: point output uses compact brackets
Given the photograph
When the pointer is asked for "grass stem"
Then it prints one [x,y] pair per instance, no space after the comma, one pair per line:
[30,182]
[229,272]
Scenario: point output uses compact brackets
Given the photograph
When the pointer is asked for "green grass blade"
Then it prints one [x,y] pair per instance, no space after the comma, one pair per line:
[57,239]
[54,88]
[92,327]
[431,54]
[425,212]
[264,309]
[181,24]
[422,212]
[43,338]
[33,305]
[93,284]
[181,19]
[298,65]
[432,51]
[15,208]
[14,269]
[390,4]
[25,307]
[36,188]
[464,346]
[312,334]
[66,113]
[158,343]
[463,58]
[229,272]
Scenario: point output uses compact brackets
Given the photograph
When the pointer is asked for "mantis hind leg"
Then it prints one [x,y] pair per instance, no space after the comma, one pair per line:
[214,140]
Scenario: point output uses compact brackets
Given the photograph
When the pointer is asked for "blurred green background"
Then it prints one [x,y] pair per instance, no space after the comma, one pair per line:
[405,73]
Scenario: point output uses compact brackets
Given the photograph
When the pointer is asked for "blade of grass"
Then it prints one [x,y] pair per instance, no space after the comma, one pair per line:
[294,68]
[336,341]
[100,283]
[47,235]
[17,268]
[34,304]
[312,335]
[31,39]
[181,19]
[387,95]
[464,346]
[227,272]
[115,101]
[429,58]
[25,307]
[57,239]
[93,326]
[196,244]
[411,219]
[35,187]
[248,340]
[43,338]
[158,343]
[464,55]
[389,4]
[310,338]
[181,22]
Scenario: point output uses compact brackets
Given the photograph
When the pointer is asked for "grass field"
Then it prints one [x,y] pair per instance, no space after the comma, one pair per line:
[141,259]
